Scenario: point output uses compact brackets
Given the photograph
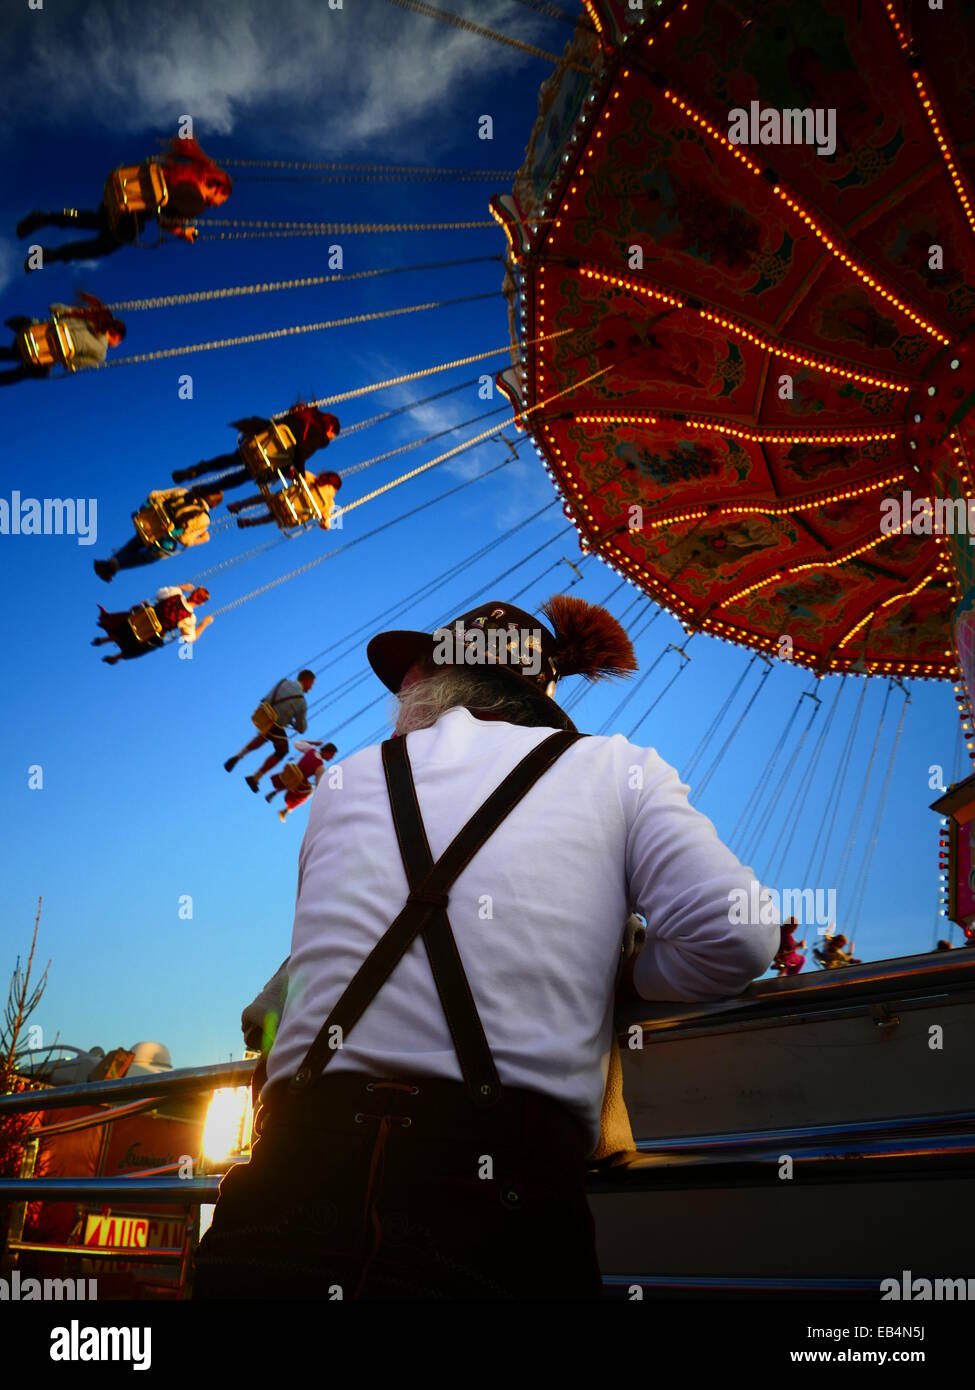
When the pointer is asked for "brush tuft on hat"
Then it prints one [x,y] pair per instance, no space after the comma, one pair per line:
[589,640]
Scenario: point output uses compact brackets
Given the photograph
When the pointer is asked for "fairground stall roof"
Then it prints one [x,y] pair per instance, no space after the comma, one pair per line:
[729,354]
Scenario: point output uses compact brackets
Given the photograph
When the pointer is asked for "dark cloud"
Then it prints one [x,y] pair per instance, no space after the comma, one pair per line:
[335,80]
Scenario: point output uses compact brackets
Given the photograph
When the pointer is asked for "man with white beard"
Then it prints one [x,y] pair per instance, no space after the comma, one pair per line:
[435,1085]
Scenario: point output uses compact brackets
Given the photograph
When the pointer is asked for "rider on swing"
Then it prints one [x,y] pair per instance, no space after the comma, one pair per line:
[171,520]
[77,337]
[190,183]
[171,611]
[307,498]
[311,428]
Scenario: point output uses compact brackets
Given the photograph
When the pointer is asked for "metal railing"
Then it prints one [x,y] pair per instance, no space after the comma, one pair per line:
[112,1100]
[923,1146]
[904,980]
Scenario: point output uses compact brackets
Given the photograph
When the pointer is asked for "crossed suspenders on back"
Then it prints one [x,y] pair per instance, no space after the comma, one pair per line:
[425,915]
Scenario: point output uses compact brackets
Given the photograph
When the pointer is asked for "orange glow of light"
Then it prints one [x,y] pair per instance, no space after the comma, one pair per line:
[955,174]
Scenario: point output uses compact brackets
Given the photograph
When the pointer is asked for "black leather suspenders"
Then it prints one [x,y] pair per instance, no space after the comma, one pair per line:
[425,915]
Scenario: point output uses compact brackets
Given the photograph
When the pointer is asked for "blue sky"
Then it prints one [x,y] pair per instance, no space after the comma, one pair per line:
[136,811]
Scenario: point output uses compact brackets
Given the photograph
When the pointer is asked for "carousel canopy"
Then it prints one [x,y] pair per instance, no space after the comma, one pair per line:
[744,234]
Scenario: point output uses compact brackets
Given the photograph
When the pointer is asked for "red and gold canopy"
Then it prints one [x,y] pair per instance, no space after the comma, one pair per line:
[745,348]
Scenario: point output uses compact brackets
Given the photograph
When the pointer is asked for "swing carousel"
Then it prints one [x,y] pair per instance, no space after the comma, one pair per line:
[761,346]
[761,343]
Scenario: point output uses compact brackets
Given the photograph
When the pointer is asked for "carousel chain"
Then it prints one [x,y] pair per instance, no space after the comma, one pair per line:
[551,11]
[823,736]
[270,545]
[346,686]
[238,559]
[249,224]
[294,232]
[397,482]
[469,443]
[688,770]
[608,723]
[789,821]
[498,579]
[843,766]
[425,371]
[790,825]
[471,177]
[684,663]
[458,22]
[417,443]
[348,545]
[258,550]
[424,591]
[293,330]
[767,818]
[846,858]
[165,301]
[381,170]
[860,891]
[719,756]
[422,468]
[402,409]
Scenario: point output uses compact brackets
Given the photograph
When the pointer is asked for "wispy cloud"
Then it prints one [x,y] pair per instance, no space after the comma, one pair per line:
[528,489]
[331,80]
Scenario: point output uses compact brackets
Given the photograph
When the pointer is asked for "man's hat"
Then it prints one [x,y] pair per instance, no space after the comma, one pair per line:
[586,640]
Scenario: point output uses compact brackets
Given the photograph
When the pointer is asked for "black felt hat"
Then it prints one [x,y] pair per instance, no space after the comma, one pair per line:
[585,640]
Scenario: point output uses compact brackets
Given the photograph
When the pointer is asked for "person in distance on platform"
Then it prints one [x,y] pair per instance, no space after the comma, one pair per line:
[189,525]
[174,607]
[834,954]
[310,765]
[478,867]
[193,184]
[284,705]
[789,959]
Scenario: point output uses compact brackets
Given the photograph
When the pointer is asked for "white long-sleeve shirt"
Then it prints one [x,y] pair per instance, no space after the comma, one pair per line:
[538,914]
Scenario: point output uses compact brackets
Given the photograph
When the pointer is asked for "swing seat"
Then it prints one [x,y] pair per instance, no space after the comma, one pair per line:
[47,344]
[311,502]
[263,452]
[295,505]
[153,524]
[282,507]
[134,189]
[144,623]
[265,718]
[292,777]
